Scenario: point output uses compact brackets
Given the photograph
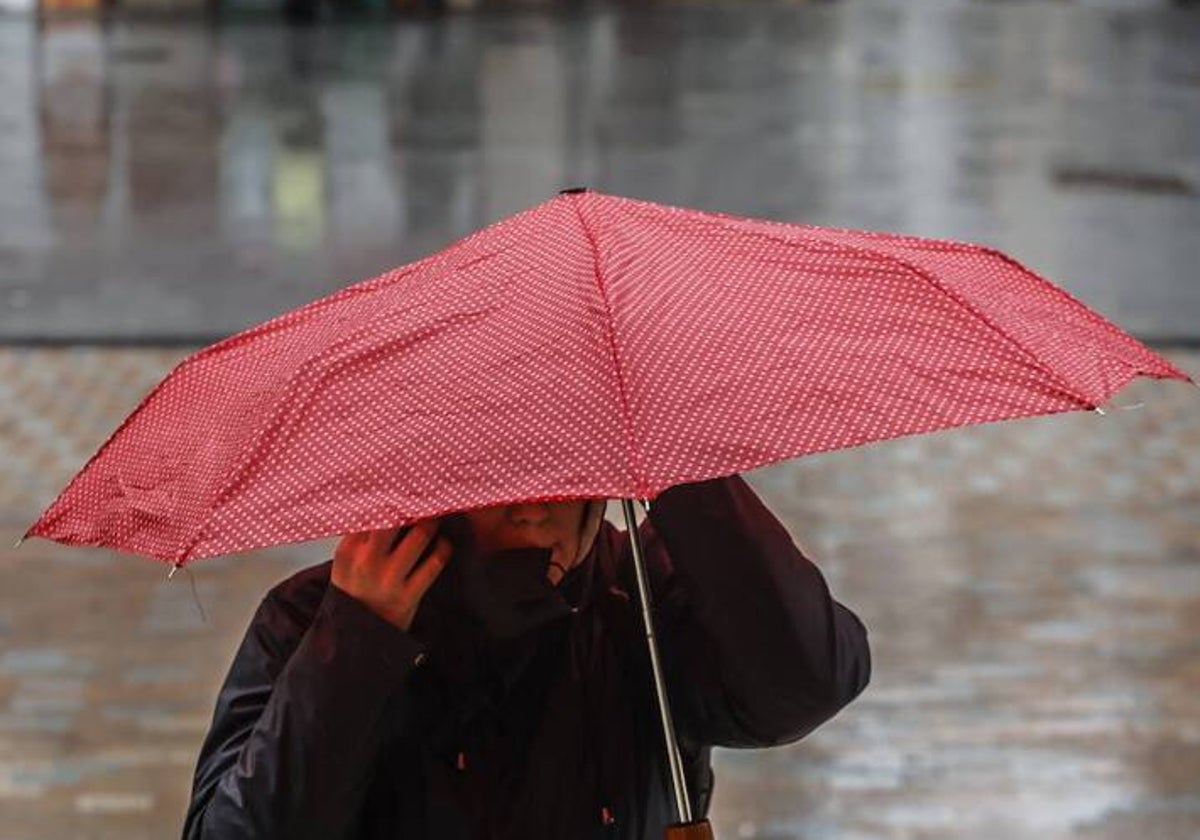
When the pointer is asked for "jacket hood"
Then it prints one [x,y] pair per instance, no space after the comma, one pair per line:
[593,516]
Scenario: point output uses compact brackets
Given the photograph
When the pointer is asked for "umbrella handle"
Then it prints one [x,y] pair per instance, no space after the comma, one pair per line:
[700,830]
[683,805]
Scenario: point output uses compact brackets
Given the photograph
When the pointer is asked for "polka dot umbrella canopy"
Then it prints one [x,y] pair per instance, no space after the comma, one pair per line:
[590,346]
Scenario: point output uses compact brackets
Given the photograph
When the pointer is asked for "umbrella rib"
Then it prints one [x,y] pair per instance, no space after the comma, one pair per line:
[967,304]
[962,301]
[369,286]
[284,320]
[235,472]
[51,509]
[1095,318]
[642,491]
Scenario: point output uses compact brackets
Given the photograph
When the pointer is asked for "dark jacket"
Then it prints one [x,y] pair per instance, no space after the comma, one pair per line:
[334,723]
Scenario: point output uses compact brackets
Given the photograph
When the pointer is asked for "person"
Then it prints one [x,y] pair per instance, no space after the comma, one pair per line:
[486,674]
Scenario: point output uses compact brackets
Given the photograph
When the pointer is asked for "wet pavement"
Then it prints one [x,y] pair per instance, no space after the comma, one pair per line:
[173,182]
[1032,589]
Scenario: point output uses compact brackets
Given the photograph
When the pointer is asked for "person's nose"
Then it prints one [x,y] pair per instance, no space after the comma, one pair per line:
[529,514]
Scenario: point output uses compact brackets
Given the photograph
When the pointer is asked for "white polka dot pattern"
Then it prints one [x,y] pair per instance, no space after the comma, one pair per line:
[591,346]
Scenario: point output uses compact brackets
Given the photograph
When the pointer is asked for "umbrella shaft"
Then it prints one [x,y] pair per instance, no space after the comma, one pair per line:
[683,804]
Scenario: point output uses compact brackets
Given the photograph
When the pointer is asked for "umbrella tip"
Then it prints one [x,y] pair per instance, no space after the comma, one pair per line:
[570,190]
[17,544]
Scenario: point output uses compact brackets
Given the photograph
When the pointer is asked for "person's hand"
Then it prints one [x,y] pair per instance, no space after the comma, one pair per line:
[391,582]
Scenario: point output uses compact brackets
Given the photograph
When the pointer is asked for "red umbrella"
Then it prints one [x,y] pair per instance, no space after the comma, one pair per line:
[590,346]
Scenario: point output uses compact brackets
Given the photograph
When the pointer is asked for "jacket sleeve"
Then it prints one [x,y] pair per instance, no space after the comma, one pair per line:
[756,651]
[294,733]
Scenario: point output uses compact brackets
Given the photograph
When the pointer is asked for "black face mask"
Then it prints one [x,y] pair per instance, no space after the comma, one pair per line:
[506,592]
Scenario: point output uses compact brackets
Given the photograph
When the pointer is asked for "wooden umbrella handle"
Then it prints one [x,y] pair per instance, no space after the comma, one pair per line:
[699,830]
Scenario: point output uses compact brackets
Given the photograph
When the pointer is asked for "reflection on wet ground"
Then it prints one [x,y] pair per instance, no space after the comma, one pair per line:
[1032,590]
[175,181]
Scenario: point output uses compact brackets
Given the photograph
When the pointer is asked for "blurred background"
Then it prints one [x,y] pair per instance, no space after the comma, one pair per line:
[172,171]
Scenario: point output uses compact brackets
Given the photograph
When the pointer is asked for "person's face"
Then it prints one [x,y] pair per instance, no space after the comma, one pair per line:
[553,525]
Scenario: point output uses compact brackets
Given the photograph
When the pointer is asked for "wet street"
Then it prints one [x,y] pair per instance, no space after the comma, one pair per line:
[1032,590]
[174,182]
[1032,587]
